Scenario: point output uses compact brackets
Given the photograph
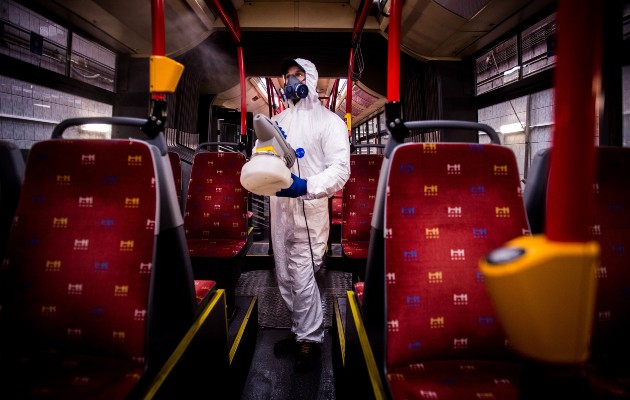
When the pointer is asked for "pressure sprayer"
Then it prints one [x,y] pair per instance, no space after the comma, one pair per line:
[269,168]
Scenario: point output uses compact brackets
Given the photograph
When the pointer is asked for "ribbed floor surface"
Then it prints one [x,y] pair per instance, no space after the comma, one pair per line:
[272,311]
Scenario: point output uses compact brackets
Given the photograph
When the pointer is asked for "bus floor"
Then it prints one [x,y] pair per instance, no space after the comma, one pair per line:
[273,377]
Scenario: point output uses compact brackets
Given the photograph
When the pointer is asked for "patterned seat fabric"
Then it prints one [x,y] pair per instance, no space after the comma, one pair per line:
[447,206]
[202,288]
[215,219]
[185,299]
[611,228]
[359,195]
[76,279]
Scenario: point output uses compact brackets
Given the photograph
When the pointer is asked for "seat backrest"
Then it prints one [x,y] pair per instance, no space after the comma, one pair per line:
[11,176]
[535,191]
[176,166]
[79,265]
[359,195]
[174,298]
[216,203]
[611,228]
[447,206]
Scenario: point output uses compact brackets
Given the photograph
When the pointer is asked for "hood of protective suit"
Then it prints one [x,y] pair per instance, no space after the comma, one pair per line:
[319,135]
[311,79]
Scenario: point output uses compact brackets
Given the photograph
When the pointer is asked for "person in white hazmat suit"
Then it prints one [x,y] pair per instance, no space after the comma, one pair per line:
[299,214]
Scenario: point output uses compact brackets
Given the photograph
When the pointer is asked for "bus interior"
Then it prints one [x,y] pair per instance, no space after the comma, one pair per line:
[479,250]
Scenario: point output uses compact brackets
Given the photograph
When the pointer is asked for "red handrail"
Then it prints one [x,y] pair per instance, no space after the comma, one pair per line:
[349,87]
[393,51]
[570,202]
[241,73]
[270,98]
[332,99]
[157,27]
[157,36]
[234,32]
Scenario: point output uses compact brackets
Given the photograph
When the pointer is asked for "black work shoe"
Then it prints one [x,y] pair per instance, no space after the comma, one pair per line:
[307,356]
[286,346]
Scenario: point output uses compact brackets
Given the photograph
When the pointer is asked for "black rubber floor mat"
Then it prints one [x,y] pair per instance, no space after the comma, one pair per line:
[273,377]
[272,310]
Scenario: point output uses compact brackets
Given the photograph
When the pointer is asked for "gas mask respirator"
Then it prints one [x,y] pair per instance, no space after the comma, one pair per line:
[294,89]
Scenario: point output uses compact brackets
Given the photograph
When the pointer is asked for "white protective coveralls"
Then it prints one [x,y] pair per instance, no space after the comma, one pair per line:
[326,166]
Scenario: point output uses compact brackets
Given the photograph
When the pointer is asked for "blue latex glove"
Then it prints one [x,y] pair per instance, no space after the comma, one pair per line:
[297,188]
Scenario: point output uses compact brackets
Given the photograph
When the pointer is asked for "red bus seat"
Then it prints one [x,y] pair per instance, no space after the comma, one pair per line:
[334,220]
[89,308]
[77,276]
[608,374]
[447,205]
[359,194]
[215,219]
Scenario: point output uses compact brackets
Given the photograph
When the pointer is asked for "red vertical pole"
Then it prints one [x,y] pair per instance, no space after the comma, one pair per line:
[570,203]
[332,99]
[393,51]
[356,33]
[270,96]
[235,32]
[241,71]
[157,27]
[158,36]
[349,89]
